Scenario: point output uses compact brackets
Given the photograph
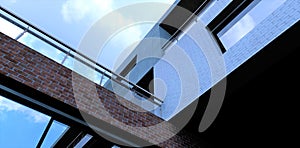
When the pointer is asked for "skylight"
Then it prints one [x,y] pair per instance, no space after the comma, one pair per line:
[26,126]
[83,141]
[56,130]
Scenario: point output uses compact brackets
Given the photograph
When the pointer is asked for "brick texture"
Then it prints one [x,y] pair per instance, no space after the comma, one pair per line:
[25,65]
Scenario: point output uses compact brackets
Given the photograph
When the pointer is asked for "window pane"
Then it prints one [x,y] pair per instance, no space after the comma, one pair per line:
[82,69]
[214,8]
[56,130]
[20,126]
[262,10]
[9,29]
[83,141]
[42,47]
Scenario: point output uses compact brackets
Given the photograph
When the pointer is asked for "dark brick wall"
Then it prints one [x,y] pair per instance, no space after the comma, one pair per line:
[43,74]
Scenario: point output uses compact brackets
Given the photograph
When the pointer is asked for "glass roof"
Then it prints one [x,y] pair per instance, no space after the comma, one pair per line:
[31,128]
[21,126]
[83,141]
[56,130]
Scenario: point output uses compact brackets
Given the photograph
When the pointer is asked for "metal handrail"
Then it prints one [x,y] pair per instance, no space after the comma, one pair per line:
[118,78]
[181,27]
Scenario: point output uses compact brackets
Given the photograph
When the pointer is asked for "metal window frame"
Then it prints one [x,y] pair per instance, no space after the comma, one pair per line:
[229,16]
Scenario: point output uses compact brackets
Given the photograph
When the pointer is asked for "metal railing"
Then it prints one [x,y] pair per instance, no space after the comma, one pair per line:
[105,72]
[180,30]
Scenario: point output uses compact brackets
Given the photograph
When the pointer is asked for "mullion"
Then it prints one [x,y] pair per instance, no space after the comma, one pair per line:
[45,133]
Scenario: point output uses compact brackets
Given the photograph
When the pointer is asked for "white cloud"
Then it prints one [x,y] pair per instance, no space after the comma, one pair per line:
[76,10]
[94,11]
[12,1]
[97,9]
[7,105]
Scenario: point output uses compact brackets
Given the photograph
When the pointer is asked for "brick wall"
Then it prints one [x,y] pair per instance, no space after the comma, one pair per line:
[45,75]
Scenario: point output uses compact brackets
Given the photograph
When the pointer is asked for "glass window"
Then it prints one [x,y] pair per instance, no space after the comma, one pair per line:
[20,126]
[212,10]
[56,130]
[242,27]
[9,29]
[42,47]
[82,69]
[83,141]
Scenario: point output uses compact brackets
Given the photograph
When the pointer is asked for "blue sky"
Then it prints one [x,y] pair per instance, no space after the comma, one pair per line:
[68,20]
[22,127]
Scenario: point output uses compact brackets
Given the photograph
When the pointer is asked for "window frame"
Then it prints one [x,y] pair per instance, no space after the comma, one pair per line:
[230,15]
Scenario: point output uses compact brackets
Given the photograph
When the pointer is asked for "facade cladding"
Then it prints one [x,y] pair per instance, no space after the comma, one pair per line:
[194,61]
[176,66]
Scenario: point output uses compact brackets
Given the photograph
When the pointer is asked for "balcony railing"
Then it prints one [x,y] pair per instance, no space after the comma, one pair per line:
[66,55]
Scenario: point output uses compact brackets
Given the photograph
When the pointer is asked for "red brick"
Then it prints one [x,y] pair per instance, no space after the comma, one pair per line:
[39,72]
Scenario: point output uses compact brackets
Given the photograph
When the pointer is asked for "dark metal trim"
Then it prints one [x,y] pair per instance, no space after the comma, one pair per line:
[45,133]
[181,27]
[62,112]
[226,16]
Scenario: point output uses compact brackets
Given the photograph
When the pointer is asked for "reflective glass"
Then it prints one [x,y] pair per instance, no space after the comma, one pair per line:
[56,130]
[248,22]
[20,126]
[42,47]
[83,141]
[9,29]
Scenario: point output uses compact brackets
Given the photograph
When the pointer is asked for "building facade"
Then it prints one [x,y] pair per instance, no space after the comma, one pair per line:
[202,51]
[194,46]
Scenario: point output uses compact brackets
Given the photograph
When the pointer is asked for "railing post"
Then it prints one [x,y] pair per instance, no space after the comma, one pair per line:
[21,34]
[101,78]
[65,58]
